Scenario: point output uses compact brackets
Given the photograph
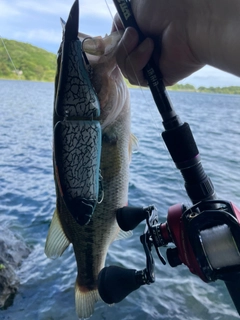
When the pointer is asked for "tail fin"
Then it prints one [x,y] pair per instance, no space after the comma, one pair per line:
[85,302]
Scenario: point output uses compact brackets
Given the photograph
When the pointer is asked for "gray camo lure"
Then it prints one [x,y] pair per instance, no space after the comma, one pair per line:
[77,132]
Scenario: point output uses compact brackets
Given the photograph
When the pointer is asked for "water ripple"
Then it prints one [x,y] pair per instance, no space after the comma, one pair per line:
[27,200]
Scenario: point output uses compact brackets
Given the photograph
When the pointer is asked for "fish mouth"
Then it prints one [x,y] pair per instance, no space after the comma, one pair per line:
[98,46]
[102,51]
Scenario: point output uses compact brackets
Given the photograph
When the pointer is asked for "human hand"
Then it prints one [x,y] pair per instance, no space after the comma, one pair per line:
[182,36]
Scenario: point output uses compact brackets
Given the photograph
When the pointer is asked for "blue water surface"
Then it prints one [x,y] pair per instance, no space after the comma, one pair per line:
[27,201]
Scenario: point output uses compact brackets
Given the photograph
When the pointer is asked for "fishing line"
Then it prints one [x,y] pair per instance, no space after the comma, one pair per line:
[16,71]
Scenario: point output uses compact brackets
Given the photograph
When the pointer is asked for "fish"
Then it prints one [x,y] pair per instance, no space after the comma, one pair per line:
[92,234]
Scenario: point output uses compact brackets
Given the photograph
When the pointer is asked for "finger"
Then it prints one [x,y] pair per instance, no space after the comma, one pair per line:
[117,23]
[127,44]
[132,58]
[138,60]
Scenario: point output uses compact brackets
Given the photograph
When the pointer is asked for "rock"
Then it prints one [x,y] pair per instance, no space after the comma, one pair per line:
[12,253]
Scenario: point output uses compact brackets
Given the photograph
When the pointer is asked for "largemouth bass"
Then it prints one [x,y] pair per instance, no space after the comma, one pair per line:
[92,236]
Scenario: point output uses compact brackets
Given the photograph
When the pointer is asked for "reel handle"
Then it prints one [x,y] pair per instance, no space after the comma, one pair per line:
[129,217]
[115,283]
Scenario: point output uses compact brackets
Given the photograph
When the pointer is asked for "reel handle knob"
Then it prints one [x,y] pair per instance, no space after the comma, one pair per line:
[129,217]
[115,283]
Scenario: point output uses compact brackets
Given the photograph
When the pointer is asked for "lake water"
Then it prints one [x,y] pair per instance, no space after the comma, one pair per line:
[27,201]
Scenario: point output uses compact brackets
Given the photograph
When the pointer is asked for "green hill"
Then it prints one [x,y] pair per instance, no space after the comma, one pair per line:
[32,63]
[189,87]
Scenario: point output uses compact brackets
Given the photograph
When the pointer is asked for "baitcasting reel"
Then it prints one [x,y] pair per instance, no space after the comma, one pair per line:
[206,238]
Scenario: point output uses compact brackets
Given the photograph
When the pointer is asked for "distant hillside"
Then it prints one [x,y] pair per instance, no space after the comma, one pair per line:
[32,63]
[190,88]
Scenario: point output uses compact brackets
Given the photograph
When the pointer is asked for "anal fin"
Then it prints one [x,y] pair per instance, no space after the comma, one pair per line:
[56,242]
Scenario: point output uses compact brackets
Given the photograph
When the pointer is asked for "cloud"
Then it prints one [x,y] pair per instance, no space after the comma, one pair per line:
[56,7]
[7,9]
[50,36]
[97,8]
[210,76]
[38,22]
[45,6]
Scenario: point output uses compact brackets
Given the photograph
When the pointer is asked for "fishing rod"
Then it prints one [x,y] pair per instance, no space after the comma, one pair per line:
[206,236]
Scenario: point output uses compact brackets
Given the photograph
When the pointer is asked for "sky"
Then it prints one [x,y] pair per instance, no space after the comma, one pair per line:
[38,22]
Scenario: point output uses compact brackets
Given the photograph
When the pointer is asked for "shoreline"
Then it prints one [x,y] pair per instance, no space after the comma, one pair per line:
[234,90]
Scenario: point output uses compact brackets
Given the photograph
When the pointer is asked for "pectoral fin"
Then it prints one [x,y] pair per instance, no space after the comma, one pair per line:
[133,145]
[123,234]
[56,242]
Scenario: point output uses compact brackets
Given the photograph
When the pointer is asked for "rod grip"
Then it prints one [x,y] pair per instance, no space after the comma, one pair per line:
[184,152]
[180,143]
